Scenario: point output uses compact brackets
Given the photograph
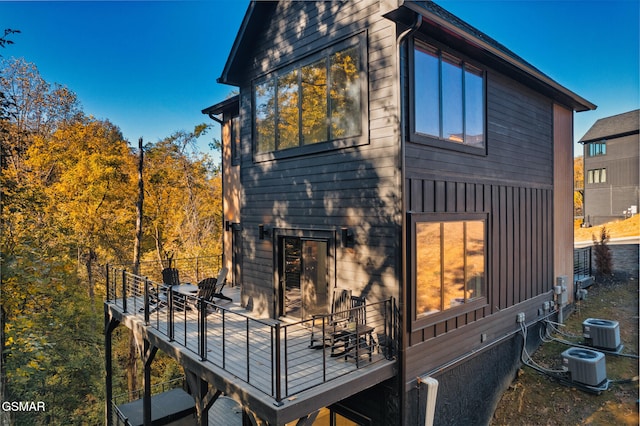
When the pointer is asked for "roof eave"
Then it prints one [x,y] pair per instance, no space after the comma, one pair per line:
[224,77]
[229,104]
[577,102]
[251,23]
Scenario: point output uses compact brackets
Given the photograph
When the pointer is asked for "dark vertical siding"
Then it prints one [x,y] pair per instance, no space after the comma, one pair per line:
[513,185]
[355,187]
[604,202]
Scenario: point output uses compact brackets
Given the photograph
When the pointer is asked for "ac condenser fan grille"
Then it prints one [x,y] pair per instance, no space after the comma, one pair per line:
[582,354]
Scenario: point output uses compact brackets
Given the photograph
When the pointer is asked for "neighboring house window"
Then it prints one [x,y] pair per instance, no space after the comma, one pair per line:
[449,262]
[597,148]
[597,176]
[316,101]
[448,98]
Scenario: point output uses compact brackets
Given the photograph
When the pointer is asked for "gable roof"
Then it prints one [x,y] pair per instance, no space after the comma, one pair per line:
[252,24]
[615,126]
[442,22]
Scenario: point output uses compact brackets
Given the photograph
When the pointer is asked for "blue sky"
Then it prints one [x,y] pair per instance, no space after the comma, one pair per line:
[150,67]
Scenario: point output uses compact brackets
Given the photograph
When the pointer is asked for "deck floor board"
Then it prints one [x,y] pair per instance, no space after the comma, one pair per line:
[226,347]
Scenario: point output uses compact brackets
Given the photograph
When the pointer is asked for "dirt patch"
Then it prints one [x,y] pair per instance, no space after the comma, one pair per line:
[535,399]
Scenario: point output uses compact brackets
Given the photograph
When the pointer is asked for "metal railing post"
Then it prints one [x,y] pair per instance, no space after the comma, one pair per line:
[324,350]
[278,375]
[109,291]
[170,331]
[248,366]
[202,328]
[224,341]
[124,292]
[286,362]
[385,319]
[146,301]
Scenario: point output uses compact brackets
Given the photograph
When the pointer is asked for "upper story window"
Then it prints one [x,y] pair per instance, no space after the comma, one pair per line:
[448,262]
[448,99]
[315,101]
[595,149]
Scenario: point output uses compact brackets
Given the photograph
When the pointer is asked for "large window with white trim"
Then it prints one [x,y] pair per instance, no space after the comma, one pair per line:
[448,98]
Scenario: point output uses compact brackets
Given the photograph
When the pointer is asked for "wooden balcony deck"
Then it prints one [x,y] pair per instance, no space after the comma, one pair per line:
[270,367]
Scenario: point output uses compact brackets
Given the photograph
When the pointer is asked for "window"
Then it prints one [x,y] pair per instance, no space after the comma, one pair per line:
[448,98]
[235,141]
[597,148]
[319,100]
[449,263]
[597,176]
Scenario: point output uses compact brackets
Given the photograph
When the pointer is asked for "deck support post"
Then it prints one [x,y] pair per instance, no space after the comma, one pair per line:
[250,419]
[204,396]
[109,325]
[147,357]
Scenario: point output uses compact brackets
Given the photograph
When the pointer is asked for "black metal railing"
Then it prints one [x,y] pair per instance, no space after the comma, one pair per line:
[582,262]
[278,359]
[192,269]
[119,419]
[155,389]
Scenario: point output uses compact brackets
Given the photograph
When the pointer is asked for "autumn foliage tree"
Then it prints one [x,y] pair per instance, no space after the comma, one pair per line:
[69,188]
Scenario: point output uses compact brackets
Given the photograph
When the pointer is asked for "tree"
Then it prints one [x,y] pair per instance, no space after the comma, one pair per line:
[602,253]
[4,40]
[4,105]
[182,198]
[63,184]
[68,206]
[85,170]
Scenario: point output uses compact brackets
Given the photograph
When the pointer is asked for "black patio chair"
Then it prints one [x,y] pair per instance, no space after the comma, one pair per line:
[211,288]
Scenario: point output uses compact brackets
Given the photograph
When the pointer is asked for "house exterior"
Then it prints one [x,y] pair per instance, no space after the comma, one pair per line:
[388,148]
[611,174]
[389,136]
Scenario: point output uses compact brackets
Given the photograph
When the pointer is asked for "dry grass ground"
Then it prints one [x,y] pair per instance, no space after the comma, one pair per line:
[535,399]
[624,228]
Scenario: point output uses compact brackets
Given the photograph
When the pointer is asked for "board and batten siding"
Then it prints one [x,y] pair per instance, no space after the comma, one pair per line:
[513,185]
[355,187]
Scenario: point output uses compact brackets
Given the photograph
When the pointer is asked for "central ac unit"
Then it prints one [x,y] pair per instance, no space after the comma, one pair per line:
[601,333]
[585,366]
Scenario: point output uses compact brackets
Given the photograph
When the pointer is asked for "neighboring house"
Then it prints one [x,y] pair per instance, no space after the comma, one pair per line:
[611,168]
[391,149]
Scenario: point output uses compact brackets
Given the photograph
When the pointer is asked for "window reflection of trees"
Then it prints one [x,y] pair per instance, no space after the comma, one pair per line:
[314,103]
[449,264]
[288,112]
[265,113]
[345,94]
[310,104]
